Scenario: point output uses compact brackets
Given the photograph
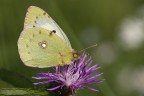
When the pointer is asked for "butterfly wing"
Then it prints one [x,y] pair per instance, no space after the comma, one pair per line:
[36,17]
[41,48]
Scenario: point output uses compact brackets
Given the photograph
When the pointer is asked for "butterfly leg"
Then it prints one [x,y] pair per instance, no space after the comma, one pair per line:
[58,68]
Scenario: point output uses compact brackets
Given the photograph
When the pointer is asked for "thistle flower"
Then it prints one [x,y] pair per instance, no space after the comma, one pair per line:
[71,77]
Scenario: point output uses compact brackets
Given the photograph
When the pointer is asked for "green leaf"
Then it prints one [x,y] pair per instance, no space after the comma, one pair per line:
[15,79]
[22,92]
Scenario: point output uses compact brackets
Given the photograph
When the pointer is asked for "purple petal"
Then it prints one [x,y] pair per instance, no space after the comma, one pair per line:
[54,88]
[38,83]
[95,77]
[91,70]
[93,89]
[82,60]
[87,61]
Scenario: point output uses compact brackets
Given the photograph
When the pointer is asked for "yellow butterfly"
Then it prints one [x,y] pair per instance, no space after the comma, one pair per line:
[42,43]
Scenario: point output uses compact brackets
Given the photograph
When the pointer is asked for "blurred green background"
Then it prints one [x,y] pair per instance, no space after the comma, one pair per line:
[117,26]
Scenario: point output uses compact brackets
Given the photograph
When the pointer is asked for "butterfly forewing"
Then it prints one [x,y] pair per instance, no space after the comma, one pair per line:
[36,17]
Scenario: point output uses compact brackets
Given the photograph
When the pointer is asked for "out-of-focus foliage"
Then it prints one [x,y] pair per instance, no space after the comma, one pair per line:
[23,92]
[117,26]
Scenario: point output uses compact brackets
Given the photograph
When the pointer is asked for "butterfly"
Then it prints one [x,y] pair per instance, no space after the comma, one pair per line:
[42,43]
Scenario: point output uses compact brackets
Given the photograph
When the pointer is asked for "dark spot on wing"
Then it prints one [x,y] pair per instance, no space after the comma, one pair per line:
[54,31]
[61,54]
[27,45]
[50,34]
[33,35]
[62,57]
[44,13]
[49,16]
[39,31]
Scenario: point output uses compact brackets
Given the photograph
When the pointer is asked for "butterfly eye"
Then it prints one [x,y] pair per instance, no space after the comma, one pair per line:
[75,55]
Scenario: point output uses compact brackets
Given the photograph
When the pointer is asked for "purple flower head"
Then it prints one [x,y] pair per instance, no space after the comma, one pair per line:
[73,77]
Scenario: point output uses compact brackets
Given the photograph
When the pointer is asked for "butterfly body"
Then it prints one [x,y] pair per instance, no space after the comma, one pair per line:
[42,43]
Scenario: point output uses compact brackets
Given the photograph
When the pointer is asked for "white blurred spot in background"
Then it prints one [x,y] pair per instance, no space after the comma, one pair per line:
[131,33]
[131,79]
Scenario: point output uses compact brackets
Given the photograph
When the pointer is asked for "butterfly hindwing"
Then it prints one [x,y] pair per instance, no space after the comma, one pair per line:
[41,48]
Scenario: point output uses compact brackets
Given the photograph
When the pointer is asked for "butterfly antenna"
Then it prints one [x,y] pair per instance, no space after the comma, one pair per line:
[88,48]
